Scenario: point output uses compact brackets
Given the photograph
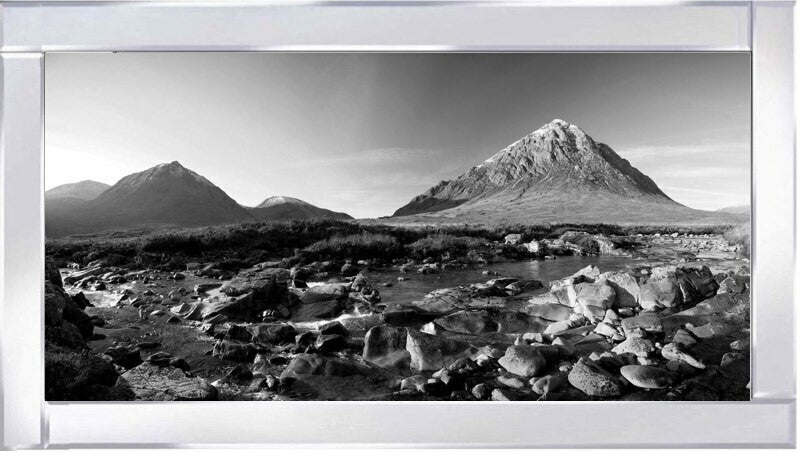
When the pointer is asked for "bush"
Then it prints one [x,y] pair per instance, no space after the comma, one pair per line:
[80,375]
[437,245]
[365,245]
[257,241]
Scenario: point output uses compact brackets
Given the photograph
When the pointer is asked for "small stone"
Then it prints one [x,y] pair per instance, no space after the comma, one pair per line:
[593,380]
[159,359]
[548,384]
[523,360]
[672,351]
[648,377]
[480,391]
[634,345]
[330,343]
[333,328]
[684,338]
[413,383]
[504,395]
[511,382]
[605,329]
[741,345]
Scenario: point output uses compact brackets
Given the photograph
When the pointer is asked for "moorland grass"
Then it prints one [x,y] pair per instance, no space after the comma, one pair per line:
[315,239]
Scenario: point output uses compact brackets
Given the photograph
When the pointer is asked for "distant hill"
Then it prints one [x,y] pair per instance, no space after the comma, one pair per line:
[744,209]
[557,173]
[60,202]
[166,195]
[286,208]
[84,191]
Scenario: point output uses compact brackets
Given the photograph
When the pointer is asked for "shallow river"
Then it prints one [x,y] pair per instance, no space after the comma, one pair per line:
[417,286]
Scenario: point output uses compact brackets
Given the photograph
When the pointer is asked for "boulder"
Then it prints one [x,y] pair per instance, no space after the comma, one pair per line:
[268,283]
[386,346]
[468,322]
[430,352]
[599,295]
[151,382]
[459,298]
[51,272]
[626,289]
[55,299]
[330,343]
[549,311]
[281,333]
[306,364]
[590,273]
[333,328]
[326,309]
[731,285]
[647,321]
[701,283]
[593,380]
[523,360]
[234,351]
[324,292]
[247,307]
[634,345]
[648,377]
[659,294]
[726,311]
[73,277]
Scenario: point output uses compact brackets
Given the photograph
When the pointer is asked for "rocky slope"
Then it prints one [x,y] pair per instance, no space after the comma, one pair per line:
[287,208]
[557,173]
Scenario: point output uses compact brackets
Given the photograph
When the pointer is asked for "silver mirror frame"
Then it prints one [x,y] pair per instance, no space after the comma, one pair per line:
[30,30]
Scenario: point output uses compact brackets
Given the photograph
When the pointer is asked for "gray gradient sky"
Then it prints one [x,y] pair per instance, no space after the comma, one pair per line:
[364,133]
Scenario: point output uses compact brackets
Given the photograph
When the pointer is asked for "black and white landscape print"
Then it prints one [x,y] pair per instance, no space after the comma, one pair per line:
[397,227]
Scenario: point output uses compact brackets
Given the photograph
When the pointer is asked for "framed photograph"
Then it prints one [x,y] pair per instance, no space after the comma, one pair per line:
[415,223]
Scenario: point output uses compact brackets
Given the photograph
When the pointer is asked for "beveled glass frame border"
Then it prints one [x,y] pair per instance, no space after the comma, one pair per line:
[29,30]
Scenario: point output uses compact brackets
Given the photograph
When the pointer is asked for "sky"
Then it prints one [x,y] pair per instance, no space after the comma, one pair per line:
[363,133]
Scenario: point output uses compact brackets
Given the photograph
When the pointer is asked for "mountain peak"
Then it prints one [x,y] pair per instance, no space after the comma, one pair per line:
[276,200]
[286,207]
[555,164]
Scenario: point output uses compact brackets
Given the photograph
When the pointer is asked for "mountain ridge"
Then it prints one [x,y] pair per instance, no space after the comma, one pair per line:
[167,195]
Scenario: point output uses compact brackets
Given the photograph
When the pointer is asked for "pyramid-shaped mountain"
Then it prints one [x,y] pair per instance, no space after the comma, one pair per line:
[285,207]
[557,173]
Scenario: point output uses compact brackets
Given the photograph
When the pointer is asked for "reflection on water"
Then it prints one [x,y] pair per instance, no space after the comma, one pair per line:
[417,286]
